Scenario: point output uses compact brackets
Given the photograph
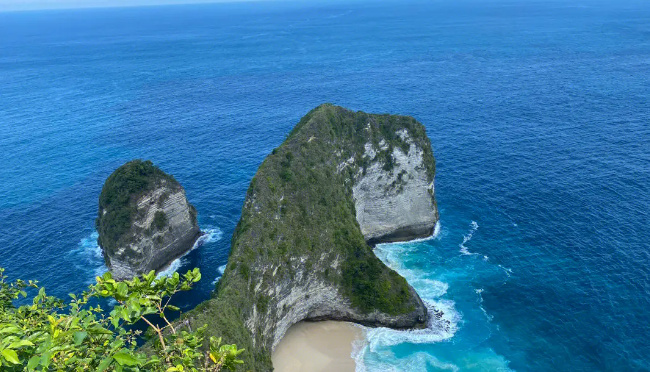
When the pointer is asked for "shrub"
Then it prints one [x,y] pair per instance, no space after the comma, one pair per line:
[54,335]
[160,220]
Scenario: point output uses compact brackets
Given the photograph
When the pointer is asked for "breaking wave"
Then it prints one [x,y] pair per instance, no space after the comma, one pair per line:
[443,322]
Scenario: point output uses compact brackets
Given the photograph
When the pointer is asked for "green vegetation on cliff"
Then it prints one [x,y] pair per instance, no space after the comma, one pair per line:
[299,216]
[119,194]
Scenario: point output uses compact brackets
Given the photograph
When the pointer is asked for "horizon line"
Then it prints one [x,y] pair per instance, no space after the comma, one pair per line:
[107,4]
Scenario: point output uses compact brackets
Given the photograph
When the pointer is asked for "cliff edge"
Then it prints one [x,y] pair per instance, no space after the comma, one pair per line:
[144,220]
[339,182]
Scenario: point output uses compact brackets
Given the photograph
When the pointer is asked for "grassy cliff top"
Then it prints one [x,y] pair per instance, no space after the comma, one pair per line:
[119,195]
[299,217]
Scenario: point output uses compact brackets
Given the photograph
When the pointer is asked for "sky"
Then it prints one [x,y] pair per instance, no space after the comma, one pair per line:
[15,5]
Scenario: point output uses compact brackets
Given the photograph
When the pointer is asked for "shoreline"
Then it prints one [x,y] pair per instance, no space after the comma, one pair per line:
[318,346]
[328,345]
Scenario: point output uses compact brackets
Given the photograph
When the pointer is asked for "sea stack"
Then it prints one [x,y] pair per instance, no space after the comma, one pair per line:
[341,182]
[144,220]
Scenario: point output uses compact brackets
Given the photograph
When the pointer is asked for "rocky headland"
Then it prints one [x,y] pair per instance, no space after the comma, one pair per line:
[144,220]
[302,250]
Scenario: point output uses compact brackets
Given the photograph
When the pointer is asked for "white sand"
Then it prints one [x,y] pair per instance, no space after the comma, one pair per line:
[317,346]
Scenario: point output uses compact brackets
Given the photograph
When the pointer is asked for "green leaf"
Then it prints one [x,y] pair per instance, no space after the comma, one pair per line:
[79,337]
[20,343]
[151,362]
[122,290]
[124,358]
[46,359]
[33,362]
[9,329]
[10,356]
[104,364]
[99,330]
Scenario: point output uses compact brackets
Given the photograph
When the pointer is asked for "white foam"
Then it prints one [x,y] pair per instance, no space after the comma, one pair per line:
[467,238]
[375,353]
[419,361]
[171,269]
[436,230]
[209,235]
[443,320]
[221,269]
[508,271]
[88,257]
[438,329]
[434,235]
[393,254]
[479,292]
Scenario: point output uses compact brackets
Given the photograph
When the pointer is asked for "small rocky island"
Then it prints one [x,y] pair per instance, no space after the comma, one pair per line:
[341,182]
[144,220]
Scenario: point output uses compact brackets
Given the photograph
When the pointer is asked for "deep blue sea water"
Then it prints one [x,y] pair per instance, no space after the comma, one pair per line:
[538,112]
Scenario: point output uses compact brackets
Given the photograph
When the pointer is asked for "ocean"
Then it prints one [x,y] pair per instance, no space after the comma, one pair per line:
[538,113]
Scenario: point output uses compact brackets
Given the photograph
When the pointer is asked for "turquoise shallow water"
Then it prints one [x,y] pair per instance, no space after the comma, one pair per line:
[538,113]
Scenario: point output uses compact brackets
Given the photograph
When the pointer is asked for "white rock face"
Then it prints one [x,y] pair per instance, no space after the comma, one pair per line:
[149,247]
[395,205]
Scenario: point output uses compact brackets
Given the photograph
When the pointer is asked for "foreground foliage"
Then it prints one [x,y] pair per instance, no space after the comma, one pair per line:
[54,335]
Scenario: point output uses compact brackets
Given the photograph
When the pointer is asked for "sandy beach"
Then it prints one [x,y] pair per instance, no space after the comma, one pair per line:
[317,346]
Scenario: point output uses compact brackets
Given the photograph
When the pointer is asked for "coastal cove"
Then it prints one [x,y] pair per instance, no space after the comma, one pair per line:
[301,249]
[537,113]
